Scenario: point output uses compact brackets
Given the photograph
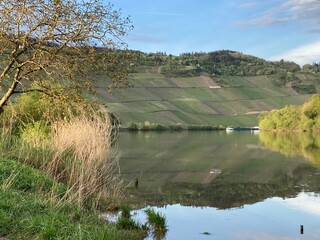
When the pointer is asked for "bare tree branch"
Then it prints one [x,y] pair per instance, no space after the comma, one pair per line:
[60,41]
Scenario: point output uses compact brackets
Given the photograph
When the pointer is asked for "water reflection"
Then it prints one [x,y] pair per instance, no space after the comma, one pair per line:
[214,185]
[307,202]
[215,169]
[293,144]
[273,219]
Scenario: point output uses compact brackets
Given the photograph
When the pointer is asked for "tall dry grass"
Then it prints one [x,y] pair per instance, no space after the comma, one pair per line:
[84,160]
[77,153]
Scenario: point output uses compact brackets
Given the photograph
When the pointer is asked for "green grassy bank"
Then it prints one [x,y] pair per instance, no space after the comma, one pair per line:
[32,207]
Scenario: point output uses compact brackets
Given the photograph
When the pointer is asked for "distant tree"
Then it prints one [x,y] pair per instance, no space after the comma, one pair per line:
[311,108]
[305,117]
[46,41]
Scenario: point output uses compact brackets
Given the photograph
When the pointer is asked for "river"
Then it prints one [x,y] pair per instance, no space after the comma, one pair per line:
[218,185]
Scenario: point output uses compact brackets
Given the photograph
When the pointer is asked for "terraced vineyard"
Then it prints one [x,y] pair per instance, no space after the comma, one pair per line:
[201,100]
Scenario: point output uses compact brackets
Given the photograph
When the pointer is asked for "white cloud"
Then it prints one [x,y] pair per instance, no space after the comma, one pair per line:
[309,53]
[284,11]
[307,202]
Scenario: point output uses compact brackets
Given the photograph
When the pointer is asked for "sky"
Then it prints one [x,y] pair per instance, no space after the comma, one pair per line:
[269,29]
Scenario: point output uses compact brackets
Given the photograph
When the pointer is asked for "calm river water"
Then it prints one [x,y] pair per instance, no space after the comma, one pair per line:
[218,185]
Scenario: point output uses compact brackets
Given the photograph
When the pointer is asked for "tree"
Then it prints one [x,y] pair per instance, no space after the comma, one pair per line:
[65,42]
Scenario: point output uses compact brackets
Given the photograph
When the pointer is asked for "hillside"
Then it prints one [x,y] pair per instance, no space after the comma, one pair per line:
[220,88]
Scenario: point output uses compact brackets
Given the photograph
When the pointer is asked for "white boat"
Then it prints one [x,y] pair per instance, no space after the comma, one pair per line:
[215,171]
[229,129]
[255,129]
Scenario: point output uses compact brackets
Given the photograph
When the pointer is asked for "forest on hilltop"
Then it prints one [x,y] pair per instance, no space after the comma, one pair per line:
[225,63]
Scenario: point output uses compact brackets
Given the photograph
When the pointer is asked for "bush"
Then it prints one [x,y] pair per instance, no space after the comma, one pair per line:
[305,89]
[145,126]
[305,117]
[75,149]
[133,126]
[36,134]
[176,127]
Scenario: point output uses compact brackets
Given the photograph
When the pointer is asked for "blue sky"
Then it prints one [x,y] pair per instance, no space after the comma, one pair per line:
[270,29]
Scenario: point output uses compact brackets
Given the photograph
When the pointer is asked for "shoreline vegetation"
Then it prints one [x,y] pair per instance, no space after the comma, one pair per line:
[297,118]
[32,206]
[150,126]
[58,171]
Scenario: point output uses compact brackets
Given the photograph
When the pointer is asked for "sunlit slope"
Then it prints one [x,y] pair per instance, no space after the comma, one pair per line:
[216,100]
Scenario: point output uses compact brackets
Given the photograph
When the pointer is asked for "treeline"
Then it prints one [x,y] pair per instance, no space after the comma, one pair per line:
[150,126]
[305,117]
[224,63]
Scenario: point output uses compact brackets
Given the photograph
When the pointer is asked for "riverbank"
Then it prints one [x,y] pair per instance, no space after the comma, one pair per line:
[149,126]
[32,206]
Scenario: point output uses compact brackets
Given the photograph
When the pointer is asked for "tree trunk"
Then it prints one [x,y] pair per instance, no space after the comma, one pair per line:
[10,90]
[7,95]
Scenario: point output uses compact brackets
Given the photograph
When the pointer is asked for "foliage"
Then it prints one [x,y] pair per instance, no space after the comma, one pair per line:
[132,126]
[176,127]
[149,126]
[203,127]
[36,133]
[311,109]
[305,89]
[313,69]
[60,41]
[32,107]
[305,117]
[224,62]
[70,142]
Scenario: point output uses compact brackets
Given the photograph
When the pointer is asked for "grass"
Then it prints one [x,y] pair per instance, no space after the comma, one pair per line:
[88,171]
[63,171]
[125,221]
[77,152]
[158,222]
[31,208]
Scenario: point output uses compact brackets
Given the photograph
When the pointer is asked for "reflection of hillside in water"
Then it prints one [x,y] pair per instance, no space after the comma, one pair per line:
[210,169]
[222,194]
[293,144]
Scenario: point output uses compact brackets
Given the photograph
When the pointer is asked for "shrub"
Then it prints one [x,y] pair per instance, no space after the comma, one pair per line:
[132,126]
[36,134]
[75,150]
[176,127]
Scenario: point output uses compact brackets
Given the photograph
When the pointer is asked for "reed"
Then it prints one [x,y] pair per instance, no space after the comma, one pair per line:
[83,159]
[76,152]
